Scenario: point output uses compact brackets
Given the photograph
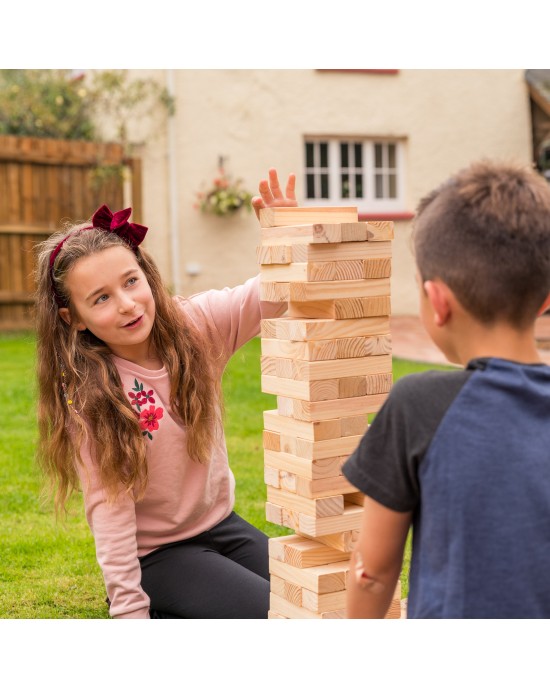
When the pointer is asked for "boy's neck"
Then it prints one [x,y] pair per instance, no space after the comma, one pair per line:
[500,340]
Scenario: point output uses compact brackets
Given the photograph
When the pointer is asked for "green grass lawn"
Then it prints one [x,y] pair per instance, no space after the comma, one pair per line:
[48,569]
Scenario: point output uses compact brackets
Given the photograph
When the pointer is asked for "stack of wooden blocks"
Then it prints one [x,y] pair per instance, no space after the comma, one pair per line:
[328,361]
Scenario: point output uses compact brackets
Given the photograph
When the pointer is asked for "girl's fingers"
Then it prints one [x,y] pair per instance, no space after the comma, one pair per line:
[274,184]
[265,192]
[291,186]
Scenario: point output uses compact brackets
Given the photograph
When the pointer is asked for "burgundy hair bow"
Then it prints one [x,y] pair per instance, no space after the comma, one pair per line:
[118,223]
[105,220]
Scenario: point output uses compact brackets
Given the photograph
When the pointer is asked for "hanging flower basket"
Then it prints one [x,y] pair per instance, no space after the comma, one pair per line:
[223,197]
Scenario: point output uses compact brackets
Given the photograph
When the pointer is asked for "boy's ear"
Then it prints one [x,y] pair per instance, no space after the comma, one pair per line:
[439,298]
[545,306]
[65,315]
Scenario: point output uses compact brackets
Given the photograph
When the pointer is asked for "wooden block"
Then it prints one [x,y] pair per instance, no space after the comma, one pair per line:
[314,527]
[320,579]
[279,254]
[320,507]
[306,253]
[286,590]
[317,430]
[272,440]
[323,329]
[274,514]
[344,541]
[380,231]
[268,328]
[315,390]
[324,272]
[335,309]
[354,231]
[325,410]
[325,370]
[380,383]
[376,267]
[322,350]
[271,476]
[323,487]
[281,608]
[394,611]
[287,481]
[376,306]
[324,602]
[357,347]
[342,289]
[303,552]
[274,292]
[274,615]
[276,546]
[352,386]
[323,449]
[354,425]
[281,217]
[312,469]
[314,233]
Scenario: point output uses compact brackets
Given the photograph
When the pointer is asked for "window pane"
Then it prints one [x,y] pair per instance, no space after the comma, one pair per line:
[309,155]
[358,155]
[358,186]
[345,186]
[324,154]
[344,155]
[393,185]
[378,186]
[378,155]
[310,186]
[324,186]
[391,155]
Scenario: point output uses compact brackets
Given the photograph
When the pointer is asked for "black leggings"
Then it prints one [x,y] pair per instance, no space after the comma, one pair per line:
[222,573]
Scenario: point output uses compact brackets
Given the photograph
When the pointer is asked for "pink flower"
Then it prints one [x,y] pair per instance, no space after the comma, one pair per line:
[150,417]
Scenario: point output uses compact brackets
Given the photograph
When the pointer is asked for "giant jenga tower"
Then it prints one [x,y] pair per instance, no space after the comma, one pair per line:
[329,363]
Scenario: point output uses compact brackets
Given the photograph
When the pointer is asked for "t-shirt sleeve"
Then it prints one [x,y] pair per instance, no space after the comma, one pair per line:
[113,526]
[386,462]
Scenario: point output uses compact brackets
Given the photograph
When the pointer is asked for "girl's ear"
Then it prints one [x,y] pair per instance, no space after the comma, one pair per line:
[438,296]
[65,315]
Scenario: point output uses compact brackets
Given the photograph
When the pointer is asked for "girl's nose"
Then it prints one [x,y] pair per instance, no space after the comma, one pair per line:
[126,304]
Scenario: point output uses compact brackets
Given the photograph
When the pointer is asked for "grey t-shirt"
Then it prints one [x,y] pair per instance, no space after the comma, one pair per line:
[468,452]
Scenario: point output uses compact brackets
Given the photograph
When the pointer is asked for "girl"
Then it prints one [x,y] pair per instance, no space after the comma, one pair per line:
[130,409]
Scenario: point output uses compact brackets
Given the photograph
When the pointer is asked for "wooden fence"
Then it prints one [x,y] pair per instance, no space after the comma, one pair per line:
[43,183]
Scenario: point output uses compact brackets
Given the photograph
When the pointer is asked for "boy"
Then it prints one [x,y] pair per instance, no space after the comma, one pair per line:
[464,456]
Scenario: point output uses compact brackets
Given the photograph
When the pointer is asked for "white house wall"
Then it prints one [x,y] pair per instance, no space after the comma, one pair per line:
[256,119]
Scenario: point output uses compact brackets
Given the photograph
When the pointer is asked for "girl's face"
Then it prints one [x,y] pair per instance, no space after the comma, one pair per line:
[112,299]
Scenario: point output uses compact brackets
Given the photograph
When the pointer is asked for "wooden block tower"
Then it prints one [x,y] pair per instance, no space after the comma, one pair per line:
[329,363]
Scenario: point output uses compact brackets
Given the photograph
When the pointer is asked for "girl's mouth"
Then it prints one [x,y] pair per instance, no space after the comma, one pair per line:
[134,323]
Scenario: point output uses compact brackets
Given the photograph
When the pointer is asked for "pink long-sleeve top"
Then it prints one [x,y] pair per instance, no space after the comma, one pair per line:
[183,497]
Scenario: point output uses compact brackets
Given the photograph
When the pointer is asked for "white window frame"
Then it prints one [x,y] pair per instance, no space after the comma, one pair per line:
[369,203]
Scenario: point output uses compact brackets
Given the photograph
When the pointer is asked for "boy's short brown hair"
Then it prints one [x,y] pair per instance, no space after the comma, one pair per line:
[486,234]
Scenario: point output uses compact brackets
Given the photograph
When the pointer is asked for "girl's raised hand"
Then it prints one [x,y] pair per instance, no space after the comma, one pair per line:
[271,194]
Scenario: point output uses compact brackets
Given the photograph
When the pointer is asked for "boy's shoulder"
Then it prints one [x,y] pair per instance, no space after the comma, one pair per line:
[425,388]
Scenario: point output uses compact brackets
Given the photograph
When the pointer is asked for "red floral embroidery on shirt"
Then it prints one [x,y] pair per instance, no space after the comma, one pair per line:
[148,419]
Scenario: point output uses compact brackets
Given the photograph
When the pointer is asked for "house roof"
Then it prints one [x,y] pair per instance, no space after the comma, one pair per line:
[538,81]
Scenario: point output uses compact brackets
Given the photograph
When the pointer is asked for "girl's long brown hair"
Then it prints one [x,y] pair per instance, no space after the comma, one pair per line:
[92,404]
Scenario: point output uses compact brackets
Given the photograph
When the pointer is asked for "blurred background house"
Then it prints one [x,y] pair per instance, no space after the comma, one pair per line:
[375,139]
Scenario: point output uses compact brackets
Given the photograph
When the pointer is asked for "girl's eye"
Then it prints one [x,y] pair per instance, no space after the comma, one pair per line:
[132,281]
[102,298]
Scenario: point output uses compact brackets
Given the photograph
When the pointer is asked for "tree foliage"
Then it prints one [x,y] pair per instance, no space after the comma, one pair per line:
[64,104]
